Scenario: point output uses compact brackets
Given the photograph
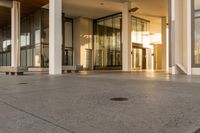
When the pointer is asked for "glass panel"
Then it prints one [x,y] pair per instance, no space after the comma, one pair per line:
[46,36]
[197,14]
[68,42]
[4,59]
[23,57]
[107,39]
[28,37]
[108,42]
[1,59]
[46,55]
[37,59]
[196,4]
[23,40]
[140,32]
[99,45]
[197,41]
[68,55]
[9,59]
[29,57]
[68,34]
[134,30]
[37,37]
[4,45]
[117,41]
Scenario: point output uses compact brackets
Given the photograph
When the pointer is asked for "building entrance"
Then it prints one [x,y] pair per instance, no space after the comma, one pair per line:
[138,58]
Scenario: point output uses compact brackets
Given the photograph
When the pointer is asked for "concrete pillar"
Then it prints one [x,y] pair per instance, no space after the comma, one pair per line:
[189,37]
[164,42]
[15,34]
[55,37]
[181,36]
[126,37]
[175,33]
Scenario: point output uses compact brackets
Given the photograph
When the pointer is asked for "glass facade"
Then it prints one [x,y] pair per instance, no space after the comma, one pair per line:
[196,33]
[108,39]
[107,42]
[140,31]
[68,42]
[34,37]
[30,38]
[5,46]
[140,42]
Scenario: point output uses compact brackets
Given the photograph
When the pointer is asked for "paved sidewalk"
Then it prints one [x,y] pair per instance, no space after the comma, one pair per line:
[80,103]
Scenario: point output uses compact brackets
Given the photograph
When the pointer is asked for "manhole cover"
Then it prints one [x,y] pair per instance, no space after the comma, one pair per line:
[23,83]
[119,99]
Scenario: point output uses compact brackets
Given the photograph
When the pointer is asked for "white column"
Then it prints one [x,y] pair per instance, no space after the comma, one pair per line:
[181,36]
[55,37]
[126,37]
[164,42]
[189,38]
[15,34]
[174,34]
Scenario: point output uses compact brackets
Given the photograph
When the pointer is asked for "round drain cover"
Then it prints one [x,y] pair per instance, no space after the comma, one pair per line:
[119,99]
[23,83]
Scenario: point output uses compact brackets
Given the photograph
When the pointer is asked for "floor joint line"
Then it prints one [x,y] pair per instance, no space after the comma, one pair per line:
[38,117]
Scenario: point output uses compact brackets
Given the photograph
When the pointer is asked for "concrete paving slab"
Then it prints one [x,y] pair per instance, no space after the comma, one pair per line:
[80,103]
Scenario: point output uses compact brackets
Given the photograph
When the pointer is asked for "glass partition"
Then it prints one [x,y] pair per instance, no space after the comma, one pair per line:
[30,39]
[5,46]
[34,41]
[140,31]
[107,42]
[68,42]
[140,43]
[196,33]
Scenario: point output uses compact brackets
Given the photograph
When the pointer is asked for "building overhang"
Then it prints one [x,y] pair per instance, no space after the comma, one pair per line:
[27,6]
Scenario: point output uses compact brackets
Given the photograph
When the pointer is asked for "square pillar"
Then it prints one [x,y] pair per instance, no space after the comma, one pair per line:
[15,34]
[126,37]
[55,37]
[181,36]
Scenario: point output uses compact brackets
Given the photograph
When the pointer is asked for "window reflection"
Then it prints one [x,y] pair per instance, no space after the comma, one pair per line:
[140,31]
[5,46]
[107,42]
[196,4]
[68,42]
[196,48]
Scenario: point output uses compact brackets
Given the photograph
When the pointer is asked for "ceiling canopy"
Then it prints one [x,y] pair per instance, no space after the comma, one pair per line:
[27,6]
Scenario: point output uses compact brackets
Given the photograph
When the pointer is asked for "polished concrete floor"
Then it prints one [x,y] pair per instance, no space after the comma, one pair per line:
[80,103]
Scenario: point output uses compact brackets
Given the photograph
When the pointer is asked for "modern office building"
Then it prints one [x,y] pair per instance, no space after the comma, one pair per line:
[127,35]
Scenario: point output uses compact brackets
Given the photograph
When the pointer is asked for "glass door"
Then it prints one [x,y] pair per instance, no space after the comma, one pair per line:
[68,42]
[139,58]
